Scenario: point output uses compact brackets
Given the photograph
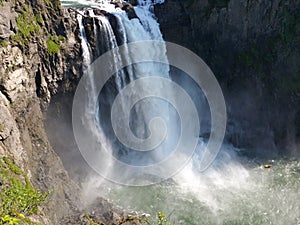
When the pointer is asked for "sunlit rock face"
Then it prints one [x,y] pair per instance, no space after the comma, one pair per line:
[29,76]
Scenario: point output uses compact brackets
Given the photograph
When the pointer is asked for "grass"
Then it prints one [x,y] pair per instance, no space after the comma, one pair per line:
[28,27]
[54,44]
[53,47]
[18,199]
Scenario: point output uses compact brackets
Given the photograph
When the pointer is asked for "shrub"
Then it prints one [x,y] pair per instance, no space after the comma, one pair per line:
[18,198]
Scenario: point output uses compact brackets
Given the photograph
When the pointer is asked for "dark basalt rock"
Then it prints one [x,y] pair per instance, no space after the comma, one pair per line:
[127,7]
[252,48]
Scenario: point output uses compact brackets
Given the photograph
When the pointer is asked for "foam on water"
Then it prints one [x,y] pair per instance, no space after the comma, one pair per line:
[234,190]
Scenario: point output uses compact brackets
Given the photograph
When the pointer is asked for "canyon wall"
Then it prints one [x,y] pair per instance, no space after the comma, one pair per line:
[252,46]
[39,57]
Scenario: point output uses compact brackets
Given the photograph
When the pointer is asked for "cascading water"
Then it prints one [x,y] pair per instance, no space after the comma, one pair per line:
[128,30]
[234,190]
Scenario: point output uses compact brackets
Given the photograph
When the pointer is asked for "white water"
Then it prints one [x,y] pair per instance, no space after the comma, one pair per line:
[147,28]
[132,30]
[230,192]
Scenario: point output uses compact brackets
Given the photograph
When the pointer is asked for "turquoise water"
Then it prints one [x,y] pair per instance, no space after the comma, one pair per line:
[235,190]
[269,196]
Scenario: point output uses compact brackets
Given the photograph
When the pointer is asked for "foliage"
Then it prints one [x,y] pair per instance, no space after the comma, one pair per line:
[39,19]
[53,4]
[18,198]
[162,219]
[54,44]
[3,43]
[28,27]
[15,169]
[53,47]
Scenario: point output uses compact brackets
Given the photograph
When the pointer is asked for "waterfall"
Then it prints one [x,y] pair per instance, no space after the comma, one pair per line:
[236,188]
[84,44]
[145,27]
[111,30]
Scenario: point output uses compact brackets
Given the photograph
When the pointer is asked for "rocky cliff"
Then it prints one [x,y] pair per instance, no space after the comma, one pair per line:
[39,56]
[253,49]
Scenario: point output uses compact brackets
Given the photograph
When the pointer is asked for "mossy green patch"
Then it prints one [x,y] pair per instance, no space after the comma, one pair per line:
[161,219]
[39,19]
[53,4]
[54,44]
[12,167]
[3,43]
[53,47]
[28,27]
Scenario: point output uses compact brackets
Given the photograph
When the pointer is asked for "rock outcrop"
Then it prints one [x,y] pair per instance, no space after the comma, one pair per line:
[31,71]
[40,57]
[253,49]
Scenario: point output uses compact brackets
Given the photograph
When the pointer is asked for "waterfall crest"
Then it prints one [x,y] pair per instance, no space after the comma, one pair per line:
[105,31]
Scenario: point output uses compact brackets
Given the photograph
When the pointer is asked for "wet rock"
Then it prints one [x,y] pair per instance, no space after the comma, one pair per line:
[127,7]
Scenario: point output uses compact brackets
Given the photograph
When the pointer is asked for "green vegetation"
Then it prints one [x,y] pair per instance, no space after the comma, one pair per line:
[54,44]
[27,24]
[53,4]
[3,43]
[28,27]
[162,219]
[2,2]
[18,198]
[12,167]
[39,19]
[53,47]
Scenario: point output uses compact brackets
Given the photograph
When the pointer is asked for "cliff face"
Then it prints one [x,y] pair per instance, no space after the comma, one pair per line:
[253,49]
[39,56]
